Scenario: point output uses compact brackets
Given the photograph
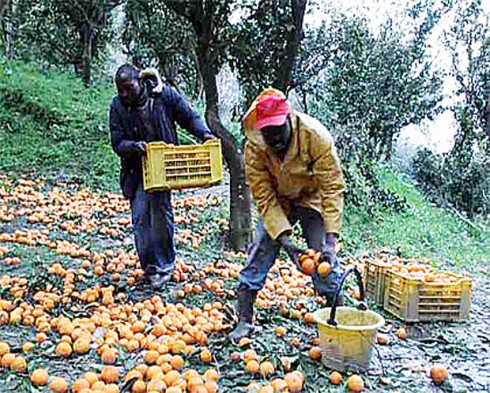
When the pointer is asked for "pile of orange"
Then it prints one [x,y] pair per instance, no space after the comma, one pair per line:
[424,273]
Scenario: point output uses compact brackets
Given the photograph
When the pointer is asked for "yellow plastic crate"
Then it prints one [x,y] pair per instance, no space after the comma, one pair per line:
[171,167]
[375,280]
[418,301]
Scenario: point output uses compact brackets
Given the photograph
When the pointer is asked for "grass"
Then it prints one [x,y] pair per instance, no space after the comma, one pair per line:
[422,230]
[54,126]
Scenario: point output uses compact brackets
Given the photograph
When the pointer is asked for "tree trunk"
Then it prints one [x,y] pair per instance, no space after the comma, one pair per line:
[294,38]
[7,10]
[305,102]
[486,120]
[136,61]
[200,15]
[87,53]
[171,73]
[240,199]
[198,90]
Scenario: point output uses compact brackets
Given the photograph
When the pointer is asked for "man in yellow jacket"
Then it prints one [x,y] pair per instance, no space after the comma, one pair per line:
[295,175]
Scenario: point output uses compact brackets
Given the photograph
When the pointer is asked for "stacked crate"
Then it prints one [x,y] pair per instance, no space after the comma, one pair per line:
[417,297]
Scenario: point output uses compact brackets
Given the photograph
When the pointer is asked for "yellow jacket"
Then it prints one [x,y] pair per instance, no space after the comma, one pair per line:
[310,175]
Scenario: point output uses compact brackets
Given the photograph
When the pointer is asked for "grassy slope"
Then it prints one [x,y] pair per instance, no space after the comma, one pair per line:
[51,125]
[423,230]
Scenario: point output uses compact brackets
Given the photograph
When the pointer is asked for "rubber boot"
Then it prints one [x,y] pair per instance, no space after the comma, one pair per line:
[245,310]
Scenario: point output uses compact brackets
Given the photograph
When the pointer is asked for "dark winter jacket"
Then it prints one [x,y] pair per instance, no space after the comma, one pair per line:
[167,109]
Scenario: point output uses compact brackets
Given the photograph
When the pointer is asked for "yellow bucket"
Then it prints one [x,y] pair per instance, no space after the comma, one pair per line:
[349,343]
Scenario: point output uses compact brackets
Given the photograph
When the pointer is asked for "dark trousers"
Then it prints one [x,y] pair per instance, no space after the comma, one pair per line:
[153,225]
[264,253]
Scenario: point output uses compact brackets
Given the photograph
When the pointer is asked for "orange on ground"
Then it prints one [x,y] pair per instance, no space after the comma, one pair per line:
[172,377]
[206,355]
[139,387]
[58,385]
[243,342]
[253,386]
[252,367]
[315,353]
[280,331]
[211,386]
[177,362]
[99,385]
[335,378]
[438,373]
[79,385]
[250,354]
[383,339]
[4,348]
[267,368]
[355,383]
[110,374]
[156,385]
[91,377]
[81,346]
[279,385]
[7,360]
[151,356]
[294,382]
[39,377]
[19,364]
[401,333]
[309,317]
[211,374]
[63,349]
[28,346]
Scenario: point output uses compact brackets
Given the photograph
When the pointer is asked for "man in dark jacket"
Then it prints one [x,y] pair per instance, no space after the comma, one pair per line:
[147,111]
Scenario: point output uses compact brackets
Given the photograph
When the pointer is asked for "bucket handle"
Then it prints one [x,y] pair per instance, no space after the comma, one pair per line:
[361,306]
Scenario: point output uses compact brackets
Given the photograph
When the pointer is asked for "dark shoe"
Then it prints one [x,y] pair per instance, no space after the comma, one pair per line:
[158,280]
[242,329]
[244,310]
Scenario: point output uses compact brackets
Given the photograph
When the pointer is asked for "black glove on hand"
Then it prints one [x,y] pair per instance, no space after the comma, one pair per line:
[141,148]
[291,249]
[333,278]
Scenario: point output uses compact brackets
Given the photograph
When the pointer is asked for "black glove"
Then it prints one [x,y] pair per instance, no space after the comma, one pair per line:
[141,148]
[208,136]
[291,249]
